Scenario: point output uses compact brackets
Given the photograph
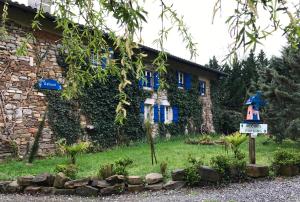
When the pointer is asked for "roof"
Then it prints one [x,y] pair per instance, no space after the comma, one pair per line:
[143,47]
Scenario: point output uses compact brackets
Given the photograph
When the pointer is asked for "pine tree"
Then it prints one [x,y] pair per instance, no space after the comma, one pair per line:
[280,83]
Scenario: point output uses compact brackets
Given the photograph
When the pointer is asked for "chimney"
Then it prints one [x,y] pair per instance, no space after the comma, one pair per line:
[46,4]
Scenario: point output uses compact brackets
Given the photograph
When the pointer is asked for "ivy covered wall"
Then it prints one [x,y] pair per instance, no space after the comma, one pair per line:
[188,103]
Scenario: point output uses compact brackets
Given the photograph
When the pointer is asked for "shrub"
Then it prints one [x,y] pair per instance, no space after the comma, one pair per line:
[163,168]
[121,166]
[284,157]
[192,171]
[234,141]
[73,150]
[105,171]
[230,168]
[70,170]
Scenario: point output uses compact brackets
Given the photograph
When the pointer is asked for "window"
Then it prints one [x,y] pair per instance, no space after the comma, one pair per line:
[148,80]
[148,112]
[168,114]
[95,59]
[180,80]
[202,88]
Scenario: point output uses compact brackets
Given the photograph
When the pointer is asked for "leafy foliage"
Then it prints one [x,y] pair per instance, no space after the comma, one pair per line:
[119,167]
[230,168]
[284,158]
[280,84]
[70,170]
[73,150]
[192,171]
[63,118]
[230,92]
[234,141]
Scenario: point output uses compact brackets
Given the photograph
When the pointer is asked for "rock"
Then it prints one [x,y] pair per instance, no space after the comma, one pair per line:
[253,170]
[115,179]
[44,179]
[153,178]
[13,187]
[100,184]
[154,187]
[171,185]
[32,190]
[288,170]
[47,190]
[3,186]
[76,183]
[115,189]
[66,192]
[178,175]
[25,180]
[135,188]
[60,180]
[87,191]
[208,174]
[134,180]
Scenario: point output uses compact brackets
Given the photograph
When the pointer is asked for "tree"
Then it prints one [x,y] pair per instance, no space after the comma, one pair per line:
[280,84]
[80,42]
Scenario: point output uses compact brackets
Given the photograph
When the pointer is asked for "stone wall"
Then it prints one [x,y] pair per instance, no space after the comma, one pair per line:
[208,125]
[21,106]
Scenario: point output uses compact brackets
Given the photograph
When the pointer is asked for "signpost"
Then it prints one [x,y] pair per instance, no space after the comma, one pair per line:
[253,129]
[252,125]
[49,84]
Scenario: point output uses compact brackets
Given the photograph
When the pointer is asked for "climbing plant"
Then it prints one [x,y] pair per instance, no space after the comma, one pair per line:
[188,104]
[63,117]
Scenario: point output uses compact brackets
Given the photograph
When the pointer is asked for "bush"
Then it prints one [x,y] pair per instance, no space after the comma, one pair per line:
[105,171]
[73,150]
[118,168]
[163,168]
[284,158]
[230,168]
[121,166]
[70,170]
[192,171]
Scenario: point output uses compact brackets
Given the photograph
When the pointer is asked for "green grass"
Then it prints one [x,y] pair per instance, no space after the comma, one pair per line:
[174,151]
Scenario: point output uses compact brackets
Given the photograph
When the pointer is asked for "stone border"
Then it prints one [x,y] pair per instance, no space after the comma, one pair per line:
[45,184]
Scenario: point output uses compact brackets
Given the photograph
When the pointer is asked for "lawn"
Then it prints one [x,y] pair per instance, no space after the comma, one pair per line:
[174,152]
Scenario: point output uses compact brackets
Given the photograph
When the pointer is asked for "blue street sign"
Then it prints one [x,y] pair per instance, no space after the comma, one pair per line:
[49,84]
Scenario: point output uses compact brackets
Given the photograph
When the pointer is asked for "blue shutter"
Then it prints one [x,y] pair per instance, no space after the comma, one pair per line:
[156,117]
[103,62]
[142,109]
[175,114]
[162,113]
[156,80]
[187,81]
[141,83]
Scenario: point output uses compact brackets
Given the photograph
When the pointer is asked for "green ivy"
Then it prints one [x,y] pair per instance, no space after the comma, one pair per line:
[63,117]
[99,103]
[188,103]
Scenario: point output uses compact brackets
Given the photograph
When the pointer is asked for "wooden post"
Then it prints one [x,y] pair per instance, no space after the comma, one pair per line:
[252,158]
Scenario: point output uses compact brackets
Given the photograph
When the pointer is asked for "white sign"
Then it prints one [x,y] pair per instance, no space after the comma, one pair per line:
[253,128]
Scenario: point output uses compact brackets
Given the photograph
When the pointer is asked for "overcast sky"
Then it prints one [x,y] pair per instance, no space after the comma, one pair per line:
[212,39]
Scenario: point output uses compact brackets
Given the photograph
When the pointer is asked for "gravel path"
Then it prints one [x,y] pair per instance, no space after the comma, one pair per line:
[276,190]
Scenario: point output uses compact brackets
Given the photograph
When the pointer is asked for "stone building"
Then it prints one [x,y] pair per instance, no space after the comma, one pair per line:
[22,106]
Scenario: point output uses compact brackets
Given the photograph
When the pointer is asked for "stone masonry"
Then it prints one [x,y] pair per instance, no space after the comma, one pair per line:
[21,106]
